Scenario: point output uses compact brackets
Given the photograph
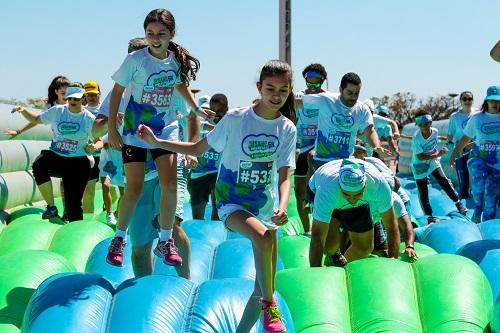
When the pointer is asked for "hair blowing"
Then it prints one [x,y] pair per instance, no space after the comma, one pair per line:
[189,64]
[278,68]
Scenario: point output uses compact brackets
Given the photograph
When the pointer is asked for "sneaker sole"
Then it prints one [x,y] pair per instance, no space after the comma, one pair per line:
[172,263]
[114,264]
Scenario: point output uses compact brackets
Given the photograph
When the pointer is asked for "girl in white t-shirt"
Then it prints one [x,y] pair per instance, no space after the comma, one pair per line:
[425,161]
[456,126]
[151,75]
[484,158]
[257,143]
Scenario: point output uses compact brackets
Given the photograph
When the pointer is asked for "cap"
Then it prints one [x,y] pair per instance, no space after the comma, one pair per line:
[91,87]
[74,92]
[204,101]
[352,176]
[493,93]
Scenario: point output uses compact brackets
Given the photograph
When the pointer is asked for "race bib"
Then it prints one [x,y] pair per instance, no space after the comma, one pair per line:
[308,132]
[254,173]
[157,96]
[490,146]
[340,140]
[211,155]
[66,146]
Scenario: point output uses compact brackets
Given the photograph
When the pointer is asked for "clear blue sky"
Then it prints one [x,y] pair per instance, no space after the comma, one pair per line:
[427,47]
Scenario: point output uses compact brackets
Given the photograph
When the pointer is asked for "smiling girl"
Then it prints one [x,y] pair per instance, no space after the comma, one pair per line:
[257,143]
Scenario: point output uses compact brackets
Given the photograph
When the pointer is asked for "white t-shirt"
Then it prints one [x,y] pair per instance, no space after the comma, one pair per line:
[338,125]
[382,126]
[70,131]
[456,125]
[253,149]
[328,195]
[419,145]
[151,82]
[383,169]
[484,129]
[307,124]
[93,109]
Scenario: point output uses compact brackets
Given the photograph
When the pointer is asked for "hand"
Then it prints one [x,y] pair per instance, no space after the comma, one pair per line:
[443,151]
[382,151]
[146,134]
[119,118]
[191,161]
[410,252]
[206,113]
[17,108]
[12,133]
[114,139]
[280,217]
[90,148]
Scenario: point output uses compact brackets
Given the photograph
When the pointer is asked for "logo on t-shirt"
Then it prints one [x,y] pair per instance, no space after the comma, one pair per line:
[342,120]
[68,128]
[430,146]
[259,146]
[310,113]
[491,128]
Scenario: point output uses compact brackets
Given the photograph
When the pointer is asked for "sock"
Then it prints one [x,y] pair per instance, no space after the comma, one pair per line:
[165,234]
[121,233]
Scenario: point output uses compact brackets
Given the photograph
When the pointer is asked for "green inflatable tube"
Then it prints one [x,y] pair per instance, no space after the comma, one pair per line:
[32,234]
[21,273]
[439,293]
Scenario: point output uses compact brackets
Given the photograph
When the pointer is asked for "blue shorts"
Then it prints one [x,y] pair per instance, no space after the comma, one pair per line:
[142,229]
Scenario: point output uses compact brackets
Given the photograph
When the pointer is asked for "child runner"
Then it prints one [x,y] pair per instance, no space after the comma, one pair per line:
[257,143]
[484,160]
[151,74]
[425,161]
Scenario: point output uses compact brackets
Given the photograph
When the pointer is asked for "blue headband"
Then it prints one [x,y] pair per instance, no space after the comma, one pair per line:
[314,74]
[424,119]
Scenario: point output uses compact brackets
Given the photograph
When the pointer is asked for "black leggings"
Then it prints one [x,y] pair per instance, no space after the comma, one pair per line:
[423,190]
[74,171]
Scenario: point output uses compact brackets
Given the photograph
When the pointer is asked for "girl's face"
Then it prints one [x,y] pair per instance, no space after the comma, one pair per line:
[75,104]
[466,100]
[158,37]
[425,128]
[61,92]
[493,106]
[274,91]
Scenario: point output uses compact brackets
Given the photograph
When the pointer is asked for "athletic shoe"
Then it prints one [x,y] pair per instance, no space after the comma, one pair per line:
[337,260]
[115,251]
[432,219]
[111,219]
[50,212]
[476,217]
[461,208]
[168,251]
[272,322]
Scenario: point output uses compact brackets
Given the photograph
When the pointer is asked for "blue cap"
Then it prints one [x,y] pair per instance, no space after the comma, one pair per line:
[493,93]
[352,176]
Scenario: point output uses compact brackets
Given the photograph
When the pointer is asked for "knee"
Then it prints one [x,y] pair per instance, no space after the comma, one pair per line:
[134,191]
[263,241]
[364,248]
[169,185]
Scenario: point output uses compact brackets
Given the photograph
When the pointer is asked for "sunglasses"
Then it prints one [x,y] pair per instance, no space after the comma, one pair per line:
[467,99]
[72,99]
[314,85]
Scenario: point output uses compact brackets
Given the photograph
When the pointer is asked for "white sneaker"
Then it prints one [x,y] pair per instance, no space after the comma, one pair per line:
[111,219]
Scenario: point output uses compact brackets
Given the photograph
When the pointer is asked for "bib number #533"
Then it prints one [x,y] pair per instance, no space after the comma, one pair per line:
[255,173]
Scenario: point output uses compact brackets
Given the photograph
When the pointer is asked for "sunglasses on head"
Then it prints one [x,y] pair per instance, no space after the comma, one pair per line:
[467,99]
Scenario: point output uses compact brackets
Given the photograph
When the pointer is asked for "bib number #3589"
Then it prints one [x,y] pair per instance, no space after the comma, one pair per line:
[254,173]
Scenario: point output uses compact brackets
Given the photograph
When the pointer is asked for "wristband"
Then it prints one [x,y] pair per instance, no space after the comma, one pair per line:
[410,247]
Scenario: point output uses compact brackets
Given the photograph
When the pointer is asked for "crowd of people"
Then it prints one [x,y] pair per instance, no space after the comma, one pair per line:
[149,141]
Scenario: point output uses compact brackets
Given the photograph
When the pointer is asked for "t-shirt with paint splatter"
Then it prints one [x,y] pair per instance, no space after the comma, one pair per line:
[484,129]
[253,149]
[70,131]
[338,125]
[151,82]
[420,145]
[307,125]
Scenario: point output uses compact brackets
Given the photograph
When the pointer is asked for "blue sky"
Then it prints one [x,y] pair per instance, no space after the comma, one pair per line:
[427,47]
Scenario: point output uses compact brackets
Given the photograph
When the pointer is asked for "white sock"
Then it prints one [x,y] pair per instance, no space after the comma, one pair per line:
[165,234]
[121,233]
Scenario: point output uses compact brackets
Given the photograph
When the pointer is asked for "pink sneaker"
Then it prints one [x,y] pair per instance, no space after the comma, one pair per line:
[115,251]
[168,251]
[272,317]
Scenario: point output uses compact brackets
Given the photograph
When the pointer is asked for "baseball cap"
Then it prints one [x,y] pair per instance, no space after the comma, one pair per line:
[493,93]
[91,87]
[204,101]
[74,92]
[370,104]
[352,176]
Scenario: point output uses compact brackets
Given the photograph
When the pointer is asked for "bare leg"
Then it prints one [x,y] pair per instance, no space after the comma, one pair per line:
[134,172]
[183,244]
[167,175]
[361,247]
[142,260]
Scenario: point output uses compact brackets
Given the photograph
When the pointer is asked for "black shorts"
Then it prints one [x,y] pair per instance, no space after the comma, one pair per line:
[301,165]
[356,219]
[138,154]
[94,172]
[200,188]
